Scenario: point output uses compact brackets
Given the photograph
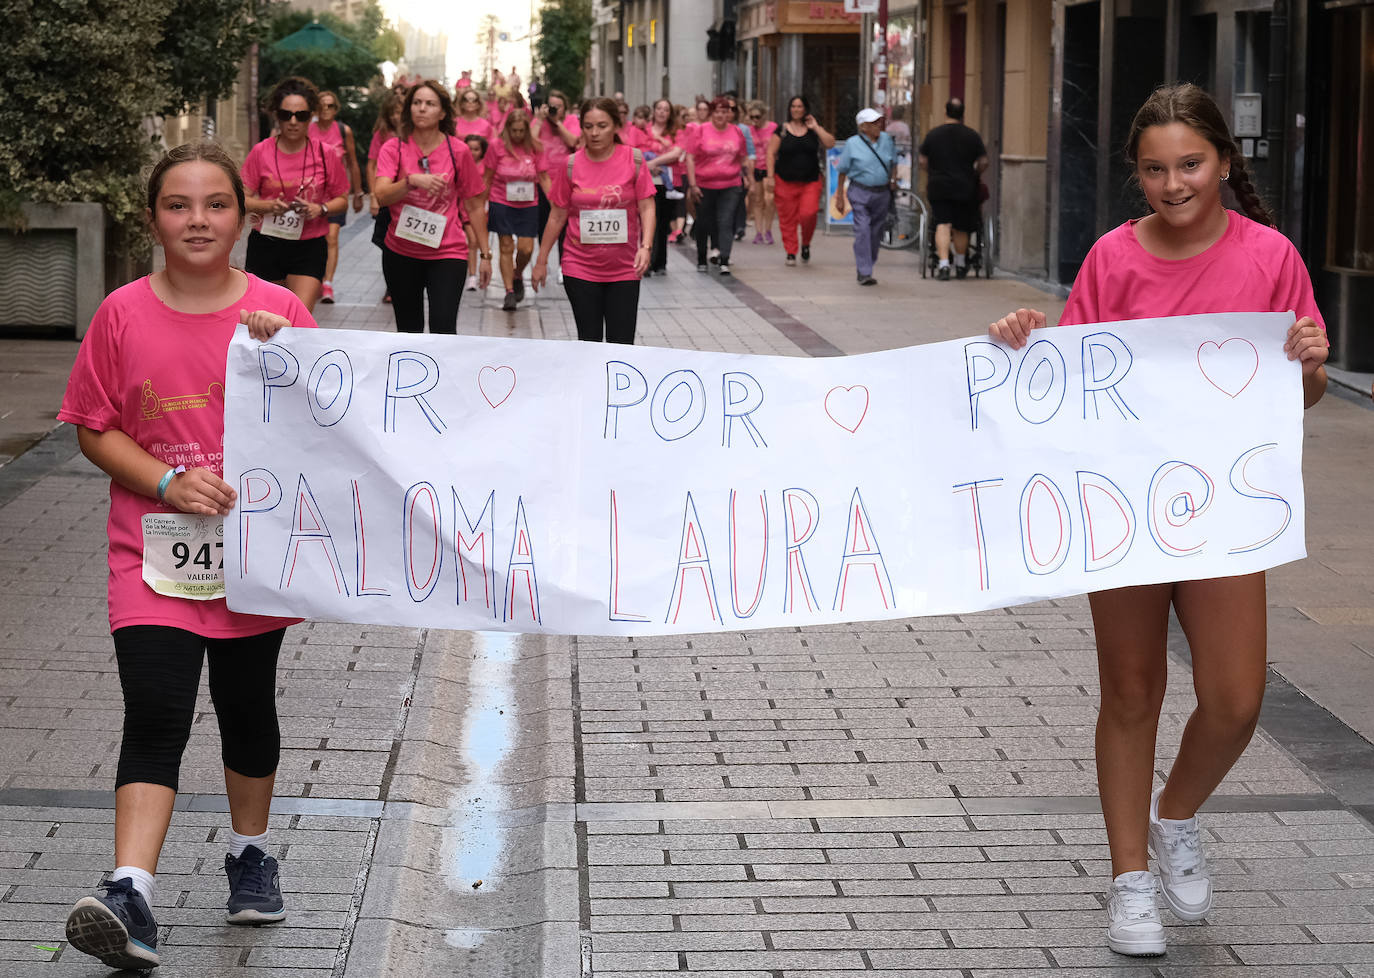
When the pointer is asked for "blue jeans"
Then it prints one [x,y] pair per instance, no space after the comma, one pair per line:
[870,213]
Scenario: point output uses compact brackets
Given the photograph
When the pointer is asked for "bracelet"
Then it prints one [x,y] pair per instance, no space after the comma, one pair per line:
[166,481]
[486,257]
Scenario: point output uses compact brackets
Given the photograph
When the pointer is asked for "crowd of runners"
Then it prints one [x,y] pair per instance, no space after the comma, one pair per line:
[465,184]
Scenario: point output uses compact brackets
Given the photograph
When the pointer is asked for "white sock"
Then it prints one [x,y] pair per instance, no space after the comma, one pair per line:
[958,260]
[328,283]
[144,882]
[944,263]
[238,843]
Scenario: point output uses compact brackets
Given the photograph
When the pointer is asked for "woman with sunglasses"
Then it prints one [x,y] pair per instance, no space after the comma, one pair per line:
[514,168]
[293,184]
[428,180]
[338,136]
[469,121]
[760,193]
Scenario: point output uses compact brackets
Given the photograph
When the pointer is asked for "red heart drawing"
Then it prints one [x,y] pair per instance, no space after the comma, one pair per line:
[1229,371]
[498,386]
[844,404]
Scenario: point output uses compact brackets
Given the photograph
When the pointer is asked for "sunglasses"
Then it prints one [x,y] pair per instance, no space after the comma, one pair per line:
[327,105]
[285,115]
[755,115]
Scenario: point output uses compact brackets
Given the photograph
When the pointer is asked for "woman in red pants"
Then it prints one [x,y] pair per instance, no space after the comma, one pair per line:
[794,173]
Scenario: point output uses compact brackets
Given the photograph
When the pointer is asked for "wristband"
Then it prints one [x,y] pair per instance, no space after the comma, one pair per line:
[166,481]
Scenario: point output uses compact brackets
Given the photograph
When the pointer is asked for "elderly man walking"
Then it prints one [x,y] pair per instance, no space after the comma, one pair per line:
[865,184]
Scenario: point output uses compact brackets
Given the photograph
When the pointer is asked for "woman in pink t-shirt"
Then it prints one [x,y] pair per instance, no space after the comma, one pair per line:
[558,129]
[662,152]
[384,129]
[469,121]
[1190,255]
[760,194]
[515,170]
[429,181]
[717,158]
[606,198]
[147,396]
[294,183]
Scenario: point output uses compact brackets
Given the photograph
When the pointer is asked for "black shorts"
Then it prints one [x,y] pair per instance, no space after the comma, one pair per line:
[760,175]
[273,259]
[522,222]
[963,214]
[340,218]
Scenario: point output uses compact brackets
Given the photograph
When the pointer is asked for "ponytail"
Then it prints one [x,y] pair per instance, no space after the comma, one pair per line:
[1246,195]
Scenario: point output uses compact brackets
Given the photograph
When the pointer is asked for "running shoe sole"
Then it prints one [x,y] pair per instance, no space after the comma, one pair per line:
[93,929]
[251,916]
[1139,948]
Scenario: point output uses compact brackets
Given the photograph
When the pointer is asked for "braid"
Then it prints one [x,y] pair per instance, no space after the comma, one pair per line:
[1246,195]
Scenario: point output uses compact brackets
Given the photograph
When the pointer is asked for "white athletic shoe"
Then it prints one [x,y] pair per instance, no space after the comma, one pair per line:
[1183,876]
[1133,926]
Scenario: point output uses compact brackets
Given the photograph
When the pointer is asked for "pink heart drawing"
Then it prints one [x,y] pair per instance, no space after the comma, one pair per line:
[1229,370]
[847,406]
[496,384]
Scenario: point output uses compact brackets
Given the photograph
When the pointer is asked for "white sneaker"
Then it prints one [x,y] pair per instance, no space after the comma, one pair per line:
[1133,926]
[1183,876]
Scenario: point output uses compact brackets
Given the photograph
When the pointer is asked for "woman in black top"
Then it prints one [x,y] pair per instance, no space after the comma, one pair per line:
[794,175]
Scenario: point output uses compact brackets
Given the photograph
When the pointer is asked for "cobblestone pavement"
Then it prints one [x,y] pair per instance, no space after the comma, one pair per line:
[912,797]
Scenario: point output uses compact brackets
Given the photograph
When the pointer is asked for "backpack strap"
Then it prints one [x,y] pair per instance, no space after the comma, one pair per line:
[570,166]
[639,162]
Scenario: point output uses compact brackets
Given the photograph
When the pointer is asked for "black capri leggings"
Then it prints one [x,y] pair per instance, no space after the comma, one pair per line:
[604,310]
[409,279]
[159,671]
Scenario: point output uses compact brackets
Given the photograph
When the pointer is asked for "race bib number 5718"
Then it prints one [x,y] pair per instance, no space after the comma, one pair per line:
[183,555]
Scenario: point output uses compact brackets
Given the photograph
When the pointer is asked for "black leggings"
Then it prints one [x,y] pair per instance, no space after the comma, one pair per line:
[663,212]
[159,671]
[408,279]
[604,310]
[716,219]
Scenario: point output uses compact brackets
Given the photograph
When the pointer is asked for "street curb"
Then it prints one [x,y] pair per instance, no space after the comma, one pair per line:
[420,914]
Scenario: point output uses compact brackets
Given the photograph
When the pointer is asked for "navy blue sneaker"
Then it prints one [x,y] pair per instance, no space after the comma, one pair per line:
[254,888]
[118,928]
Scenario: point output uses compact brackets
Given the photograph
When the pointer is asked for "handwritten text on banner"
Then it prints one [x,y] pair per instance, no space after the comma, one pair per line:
[466,482]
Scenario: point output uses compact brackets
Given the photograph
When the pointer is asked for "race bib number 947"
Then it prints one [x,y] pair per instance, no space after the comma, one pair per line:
[183,555]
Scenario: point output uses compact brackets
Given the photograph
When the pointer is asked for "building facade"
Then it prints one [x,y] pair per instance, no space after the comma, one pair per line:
[652,49]
[790,47]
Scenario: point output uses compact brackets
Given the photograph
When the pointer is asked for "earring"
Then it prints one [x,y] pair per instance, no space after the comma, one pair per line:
[1225,177]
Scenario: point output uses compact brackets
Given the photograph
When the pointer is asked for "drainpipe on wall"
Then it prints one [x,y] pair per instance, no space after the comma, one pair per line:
[1276,97]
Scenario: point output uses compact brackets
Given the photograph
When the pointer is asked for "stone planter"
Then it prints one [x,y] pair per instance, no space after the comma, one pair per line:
[53,273]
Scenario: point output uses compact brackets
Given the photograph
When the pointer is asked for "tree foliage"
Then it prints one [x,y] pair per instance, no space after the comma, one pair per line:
[203,45]
[565,40]
[79,88]
[354,65]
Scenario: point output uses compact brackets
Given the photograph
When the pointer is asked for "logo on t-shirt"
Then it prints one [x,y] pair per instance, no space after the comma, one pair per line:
[155,407]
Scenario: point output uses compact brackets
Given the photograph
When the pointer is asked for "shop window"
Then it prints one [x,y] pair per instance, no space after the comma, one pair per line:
[1351,204]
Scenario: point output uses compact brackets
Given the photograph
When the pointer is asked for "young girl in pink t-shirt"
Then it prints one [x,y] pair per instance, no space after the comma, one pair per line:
[605,196]
[1190,255]
[147,395]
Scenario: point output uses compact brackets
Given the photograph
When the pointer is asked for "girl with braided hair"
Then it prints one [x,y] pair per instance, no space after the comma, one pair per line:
[1190,255]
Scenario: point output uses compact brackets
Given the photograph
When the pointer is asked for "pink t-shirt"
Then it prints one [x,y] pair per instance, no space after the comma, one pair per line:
[608,185]
[332,137]
[761,136]
[556,151]
[315,173]
[1251,268]
[473,127]
[716,154]
[399,159]
[632,135]
[158,376]
[509,166]
[379,138]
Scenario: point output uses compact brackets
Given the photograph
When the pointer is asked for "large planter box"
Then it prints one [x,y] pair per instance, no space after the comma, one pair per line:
[53,273]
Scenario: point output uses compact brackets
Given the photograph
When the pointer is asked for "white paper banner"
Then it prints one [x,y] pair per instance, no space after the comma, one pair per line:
[585,488]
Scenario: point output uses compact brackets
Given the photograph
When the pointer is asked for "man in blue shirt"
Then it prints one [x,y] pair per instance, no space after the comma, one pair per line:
[866,167]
